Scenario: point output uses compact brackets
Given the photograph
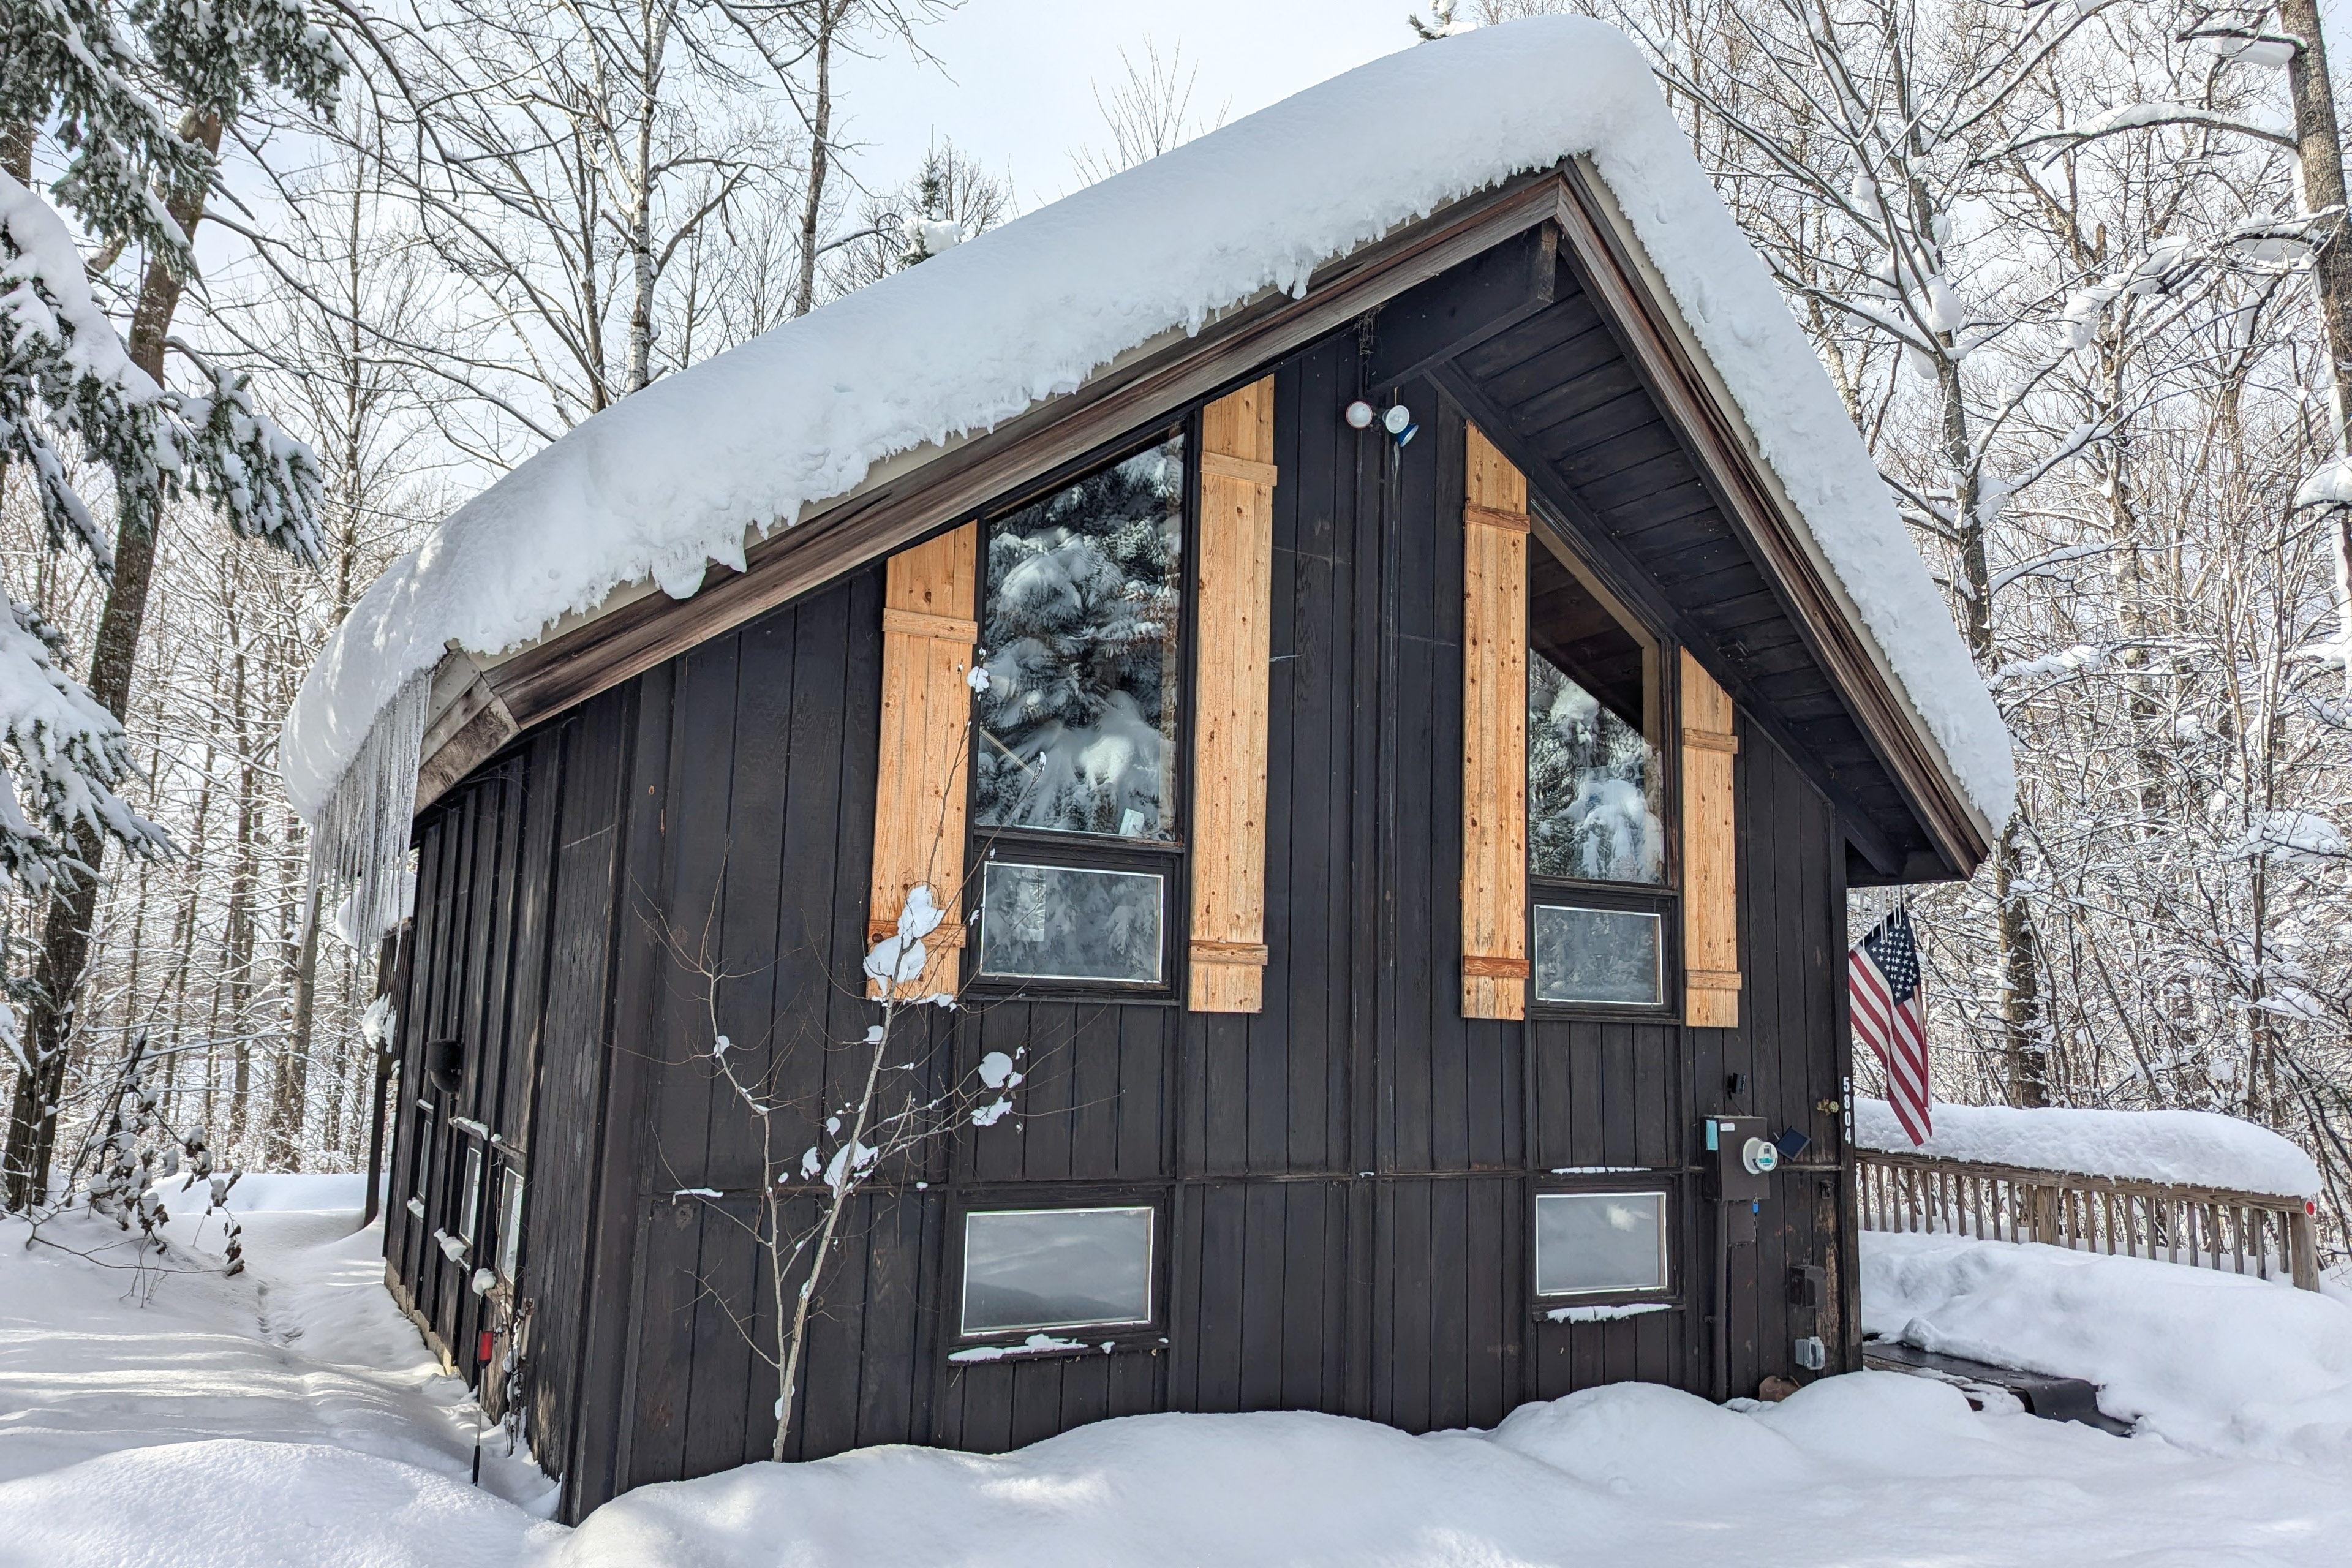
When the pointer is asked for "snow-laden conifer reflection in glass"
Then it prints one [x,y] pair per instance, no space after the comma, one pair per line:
[1056,1268]
[1077,725]
[1067,922]
[1593,762]
[1606,957]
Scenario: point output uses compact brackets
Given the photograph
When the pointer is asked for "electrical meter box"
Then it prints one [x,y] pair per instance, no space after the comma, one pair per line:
[1742,1155]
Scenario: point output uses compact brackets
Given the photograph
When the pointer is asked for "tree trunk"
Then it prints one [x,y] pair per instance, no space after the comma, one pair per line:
[2017,963]
[293,1088]
[820,134]
[2319,150]
[65,937]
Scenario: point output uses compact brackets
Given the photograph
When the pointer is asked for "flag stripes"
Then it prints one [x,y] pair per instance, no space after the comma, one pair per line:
[1883,981]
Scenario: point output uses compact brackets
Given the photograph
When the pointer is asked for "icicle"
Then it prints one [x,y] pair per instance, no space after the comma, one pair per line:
[361,832]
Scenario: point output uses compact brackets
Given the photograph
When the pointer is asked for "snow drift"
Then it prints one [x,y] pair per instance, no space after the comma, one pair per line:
[2221,1363]
[2183,1148]
[685,471]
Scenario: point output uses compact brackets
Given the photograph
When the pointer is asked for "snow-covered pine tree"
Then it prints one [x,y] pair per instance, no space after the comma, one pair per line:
[1078,648]
[76,399]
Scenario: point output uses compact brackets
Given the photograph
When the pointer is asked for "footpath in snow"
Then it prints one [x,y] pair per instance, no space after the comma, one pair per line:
[290,1418]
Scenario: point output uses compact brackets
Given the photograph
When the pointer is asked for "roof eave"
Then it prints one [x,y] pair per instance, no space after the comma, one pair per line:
[1778,537]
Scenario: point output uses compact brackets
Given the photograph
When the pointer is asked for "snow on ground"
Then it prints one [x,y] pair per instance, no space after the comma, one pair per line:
[2187,1148]
[686,470]
[2220,1364]
[290,1418]
[274,1409]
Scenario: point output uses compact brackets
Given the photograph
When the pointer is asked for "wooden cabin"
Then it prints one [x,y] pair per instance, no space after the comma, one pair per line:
[1408,866]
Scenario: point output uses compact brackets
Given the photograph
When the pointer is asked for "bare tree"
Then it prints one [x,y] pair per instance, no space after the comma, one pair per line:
[1147,111]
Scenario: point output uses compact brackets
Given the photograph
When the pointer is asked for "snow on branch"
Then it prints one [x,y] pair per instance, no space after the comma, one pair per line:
[2136,117]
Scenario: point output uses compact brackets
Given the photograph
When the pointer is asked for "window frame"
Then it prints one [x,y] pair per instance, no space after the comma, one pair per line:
[508,1210]
[1171,858]
[1645,1183]
[1663,897]
[476,1167]
[1027,1197]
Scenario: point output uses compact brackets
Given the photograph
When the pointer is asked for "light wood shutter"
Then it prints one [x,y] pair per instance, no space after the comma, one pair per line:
[1493,735]
[928,632]
[1230,706]
[1710,854]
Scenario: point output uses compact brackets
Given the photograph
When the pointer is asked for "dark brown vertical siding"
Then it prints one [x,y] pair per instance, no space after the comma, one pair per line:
[1347,1178]
[567,1118]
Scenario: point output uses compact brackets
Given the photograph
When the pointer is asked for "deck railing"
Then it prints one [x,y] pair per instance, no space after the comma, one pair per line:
[2205,1228]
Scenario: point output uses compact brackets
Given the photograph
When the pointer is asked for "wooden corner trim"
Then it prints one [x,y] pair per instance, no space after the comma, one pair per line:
[949,933]
[1712,979]
[1710,740]
[923,624]
[1245,953]
[1492,966]
[1225,466]
[1472,514]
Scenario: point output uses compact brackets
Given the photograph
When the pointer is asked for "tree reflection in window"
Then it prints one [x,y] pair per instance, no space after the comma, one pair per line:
[1077,725]
[1593,774]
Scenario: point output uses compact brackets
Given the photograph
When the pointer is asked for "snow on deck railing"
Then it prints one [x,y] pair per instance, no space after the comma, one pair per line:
[2180,1186]
[2174,1148]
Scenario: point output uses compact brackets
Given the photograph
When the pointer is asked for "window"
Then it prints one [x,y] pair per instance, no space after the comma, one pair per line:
[1077,726]
[1060,922]
[1610,957]
[1596,846]
[1078,742]
[511,1228]
[1594,773]
[420,1166]
[469,1197]
[1038,1270]
[1591,1243]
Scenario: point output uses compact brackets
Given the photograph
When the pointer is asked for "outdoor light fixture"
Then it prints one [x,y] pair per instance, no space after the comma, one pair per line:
[1396,419]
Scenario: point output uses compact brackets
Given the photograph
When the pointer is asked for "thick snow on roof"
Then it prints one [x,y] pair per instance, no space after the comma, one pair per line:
[2183,1148]
[675,475]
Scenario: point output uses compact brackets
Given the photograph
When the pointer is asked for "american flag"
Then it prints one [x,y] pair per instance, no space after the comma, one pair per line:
[1882,972]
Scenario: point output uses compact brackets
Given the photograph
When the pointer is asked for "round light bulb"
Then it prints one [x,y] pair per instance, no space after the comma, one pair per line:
[1361,415]
[1395,420]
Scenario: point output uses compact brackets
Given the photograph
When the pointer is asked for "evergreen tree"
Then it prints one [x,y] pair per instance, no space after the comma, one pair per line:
[76,398]
[1080,644]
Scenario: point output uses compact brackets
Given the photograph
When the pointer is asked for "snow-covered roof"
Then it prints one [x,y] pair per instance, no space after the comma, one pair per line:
[681,473]
[2177,1148]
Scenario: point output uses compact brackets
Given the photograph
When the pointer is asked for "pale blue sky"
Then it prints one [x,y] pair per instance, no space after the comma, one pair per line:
[1022,73]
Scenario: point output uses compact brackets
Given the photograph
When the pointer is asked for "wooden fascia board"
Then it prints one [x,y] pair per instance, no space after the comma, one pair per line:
[1667,357]
[1623,576]
[465,724]
[562,671]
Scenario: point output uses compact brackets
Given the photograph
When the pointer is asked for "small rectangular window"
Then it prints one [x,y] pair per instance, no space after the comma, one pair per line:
[511,1228]
[470,1199]
[1081,638]
[1610,957]
[1587,1243]
[1056,1268]
[1065,922]
[420,1167]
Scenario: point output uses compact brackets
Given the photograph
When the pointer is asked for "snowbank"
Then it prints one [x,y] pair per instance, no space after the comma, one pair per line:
[2221,1363]
[257,1505]
[289,1418]
[2186,1148]
[676,475]
[1631,1474]
[304,1348]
